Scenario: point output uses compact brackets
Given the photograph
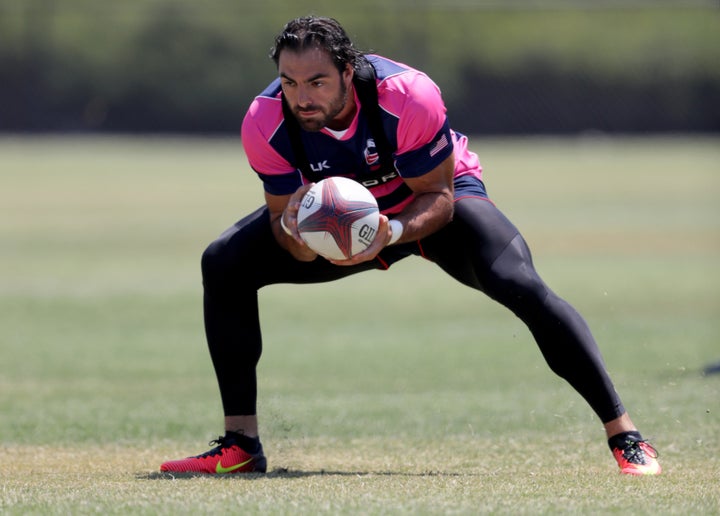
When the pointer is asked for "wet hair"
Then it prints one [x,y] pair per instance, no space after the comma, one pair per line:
[317,32]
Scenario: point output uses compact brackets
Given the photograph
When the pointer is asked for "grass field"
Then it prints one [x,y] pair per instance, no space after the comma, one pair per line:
[389,393]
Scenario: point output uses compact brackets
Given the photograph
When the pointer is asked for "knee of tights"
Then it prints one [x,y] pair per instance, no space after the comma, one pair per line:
[215,262]
[513,279]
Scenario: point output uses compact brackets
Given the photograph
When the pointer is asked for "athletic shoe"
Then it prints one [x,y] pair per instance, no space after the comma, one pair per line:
[226,457]
[636,456]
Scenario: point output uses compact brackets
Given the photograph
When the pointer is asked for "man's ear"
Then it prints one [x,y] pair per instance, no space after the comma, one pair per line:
[348,74]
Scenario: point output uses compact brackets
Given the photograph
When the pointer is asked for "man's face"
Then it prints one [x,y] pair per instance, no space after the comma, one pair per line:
[315,90]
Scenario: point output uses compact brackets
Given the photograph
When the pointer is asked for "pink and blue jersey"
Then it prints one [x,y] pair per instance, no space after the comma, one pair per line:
[414,118]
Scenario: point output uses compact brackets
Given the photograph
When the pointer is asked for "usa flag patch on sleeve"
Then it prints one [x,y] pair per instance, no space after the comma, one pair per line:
[439,145]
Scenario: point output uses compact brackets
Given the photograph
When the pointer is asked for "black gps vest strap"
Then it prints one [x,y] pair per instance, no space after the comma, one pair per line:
[364,81]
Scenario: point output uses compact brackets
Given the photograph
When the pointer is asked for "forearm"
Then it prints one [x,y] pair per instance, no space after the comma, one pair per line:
[426,214]
[299,251]
[286,233]
[433,205]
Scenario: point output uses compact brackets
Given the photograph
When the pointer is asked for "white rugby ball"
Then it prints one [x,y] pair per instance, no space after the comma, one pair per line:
[338,218]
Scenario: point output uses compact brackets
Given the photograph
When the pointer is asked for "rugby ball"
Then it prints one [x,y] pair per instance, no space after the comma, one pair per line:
[338,218]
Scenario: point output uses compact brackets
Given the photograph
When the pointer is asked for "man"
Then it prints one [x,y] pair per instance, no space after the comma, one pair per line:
[434,205]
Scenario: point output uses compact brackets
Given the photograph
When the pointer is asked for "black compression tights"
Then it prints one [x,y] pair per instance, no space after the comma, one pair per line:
[480,248]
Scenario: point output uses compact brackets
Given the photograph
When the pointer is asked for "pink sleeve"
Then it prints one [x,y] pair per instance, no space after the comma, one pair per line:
[416,101]
[260,123]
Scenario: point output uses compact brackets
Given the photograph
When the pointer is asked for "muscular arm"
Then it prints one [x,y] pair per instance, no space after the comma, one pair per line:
[432,207]
[431,210]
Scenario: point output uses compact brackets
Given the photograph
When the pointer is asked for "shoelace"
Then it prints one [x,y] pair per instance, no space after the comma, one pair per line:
[221,442]
[636,454]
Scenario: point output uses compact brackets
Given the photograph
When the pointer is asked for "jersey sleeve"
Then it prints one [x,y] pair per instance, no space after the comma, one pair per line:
[424,139]
[261,121]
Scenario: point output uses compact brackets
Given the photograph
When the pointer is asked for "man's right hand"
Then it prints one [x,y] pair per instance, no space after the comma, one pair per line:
[283,218]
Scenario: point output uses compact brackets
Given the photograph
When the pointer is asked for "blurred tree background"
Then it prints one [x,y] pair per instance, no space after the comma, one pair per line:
[505,67]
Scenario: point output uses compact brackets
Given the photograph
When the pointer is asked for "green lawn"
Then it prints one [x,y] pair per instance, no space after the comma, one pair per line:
[394,392]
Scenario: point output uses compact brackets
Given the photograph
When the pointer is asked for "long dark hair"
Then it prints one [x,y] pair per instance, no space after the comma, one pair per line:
[317,32]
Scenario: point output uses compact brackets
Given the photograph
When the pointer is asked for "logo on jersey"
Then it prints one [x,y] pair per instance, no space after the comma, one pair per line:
[381,180]
[371,154]
[439,145]
[319,166]
[372,158]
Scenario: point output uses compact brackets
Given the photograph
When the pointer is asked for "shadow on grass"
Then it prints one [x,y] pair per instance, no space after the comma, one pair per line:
[286,473]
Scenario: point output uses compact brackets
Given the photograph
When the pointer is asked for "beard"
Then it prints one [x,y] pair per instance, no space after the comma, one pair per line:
[326,114]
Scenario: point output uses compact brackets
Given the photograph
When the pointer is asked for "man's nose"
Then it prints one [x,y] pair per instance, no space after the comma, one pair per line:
[304,98]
